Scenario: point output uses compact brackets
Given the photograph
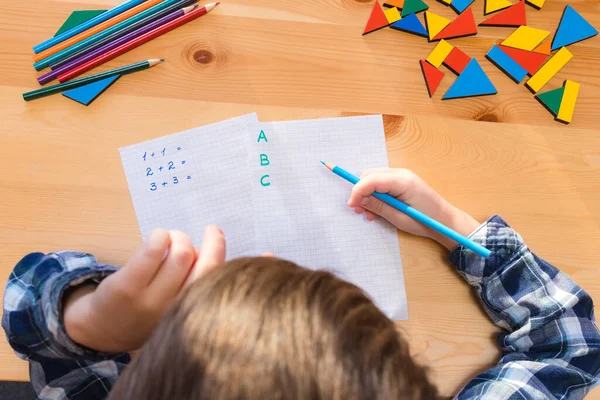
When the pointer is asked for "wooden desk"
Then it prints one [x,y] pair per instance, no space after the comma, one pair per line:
[63,185]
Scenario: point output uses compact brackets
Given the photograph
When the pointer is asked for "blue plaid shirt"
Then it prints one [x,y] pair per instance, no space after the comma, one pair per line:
[549,339]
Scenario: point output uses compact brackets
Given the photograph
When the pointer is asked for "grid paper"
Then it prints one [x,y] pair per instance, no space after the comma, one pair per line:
[207,183]
[303,214]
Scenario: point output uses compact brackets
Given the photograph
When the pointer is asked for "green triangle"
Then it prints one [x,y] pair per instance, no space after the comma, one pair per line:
[413,7]
[76,18]
[551,100]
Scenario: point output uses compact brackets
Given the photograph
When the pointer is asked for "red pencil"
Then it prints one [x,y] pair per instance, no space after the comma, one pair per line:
[125,47]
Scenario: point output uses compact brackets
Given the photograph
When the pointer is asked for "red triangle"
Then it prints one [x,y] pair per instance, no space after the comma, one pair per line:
[432,75]
[377,20]
[463,25]
[512,16]
[529,60]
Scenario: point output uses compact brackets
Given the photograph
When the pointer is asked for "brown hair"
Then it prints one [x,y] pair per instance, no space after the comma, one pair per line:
[265,328]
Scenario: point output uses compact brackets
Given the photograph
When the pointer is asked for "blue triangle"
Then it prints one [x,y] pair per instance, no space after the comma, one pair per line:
[460,5]
[472,82]
[572,28]
[88,93]
[410,24]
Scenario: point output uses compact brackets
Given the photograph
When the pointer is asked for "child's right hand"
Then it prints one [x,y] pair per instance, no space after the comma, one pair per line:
[406,186]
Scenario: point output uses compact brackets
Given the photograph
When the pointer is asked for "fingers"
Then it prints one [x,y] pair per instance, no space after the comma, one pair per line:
[146,261]
[374,207]
[174,270]
[212,253]
[396,182]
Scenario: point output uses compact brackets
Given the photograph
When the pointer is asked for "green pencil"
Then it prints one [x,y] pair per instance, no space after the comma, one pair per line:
[61,87]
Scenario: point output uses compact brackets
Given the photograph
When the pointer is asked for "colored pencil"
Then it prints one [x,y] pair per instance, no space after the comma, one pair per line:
[61,87]
[106,48]
[46,44]
[118,34]
[136,42]
[415,214]
[95,29]
[86,43]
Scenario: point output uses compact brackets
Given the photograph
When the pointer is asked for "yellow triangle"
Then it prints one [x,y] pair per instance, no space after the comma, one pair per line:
[392,15]
[435,23]
[526,38]
[495,5]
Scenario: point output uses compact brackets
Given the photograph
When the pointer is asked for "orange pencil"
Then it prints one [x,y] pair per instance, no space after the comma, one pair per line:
[95,29]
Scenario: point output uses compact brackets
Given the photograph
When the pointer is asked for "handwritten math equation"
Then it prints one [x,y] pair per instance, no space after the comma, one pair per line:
[167,169]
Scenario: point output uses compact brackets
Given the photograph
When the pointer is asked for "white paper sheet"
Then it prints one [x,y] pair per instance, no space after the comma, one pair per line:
[299,211]
[302,215]
[208,182]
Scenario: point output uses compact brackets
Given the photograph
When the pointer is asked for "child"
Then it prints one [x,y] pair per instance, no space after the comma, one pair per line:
[264,328]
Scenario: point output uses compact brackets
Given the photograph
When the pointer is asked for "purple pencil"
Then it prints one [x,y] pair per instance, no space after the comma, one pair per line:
[52,75]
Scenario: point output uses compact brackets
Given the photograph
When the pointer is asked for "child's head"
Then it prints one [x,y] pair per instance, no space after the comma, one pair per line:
[264,328]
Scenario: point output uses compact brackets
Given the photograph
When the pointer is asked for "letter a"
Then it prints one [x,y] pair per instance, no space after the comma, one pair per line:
[262,136]
[262,181]
[264,160]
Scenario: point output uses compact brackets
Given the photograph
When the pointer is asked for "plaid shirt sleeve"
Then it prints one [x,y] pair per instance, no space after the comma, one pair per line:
[32,319]
[550,341]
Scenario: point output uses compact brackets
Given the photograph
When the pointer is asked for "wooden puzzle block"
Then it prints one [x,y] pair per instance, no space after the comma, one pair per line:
[460,5]
[495,5]
[377,20]
[76,18]
[432,76]
[463,25]
[472,82]
[548,70]
[392,15]
[413,7]
[90,92]
[543,48]
[410,24]
[529,60]
[506,64]
[567,103]
[526,38]
[537,4]
[439,53]
[551,99]
[394,3]
[435,24]
[457,60]
[512,16]
[572,28]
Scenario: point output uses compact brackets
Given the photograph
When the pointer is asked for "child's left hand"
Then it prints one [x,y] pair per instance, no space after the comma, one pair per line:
[120,314]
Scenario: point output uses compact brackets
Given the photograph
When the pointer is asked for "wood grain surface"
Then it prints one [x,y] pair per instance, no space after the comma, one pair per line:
[63,186]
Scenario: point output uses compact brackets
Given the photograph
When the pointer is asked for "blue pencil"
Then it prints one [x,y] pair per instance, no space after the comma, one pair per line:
[411,212]
[46,44]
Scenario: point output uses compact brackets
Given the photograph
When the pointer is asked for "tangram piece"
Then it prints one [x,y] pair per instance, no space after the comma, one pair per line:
[460,5]
[495,5]
[413,7]
[472,82]
[567,103]
[526,38]
[537,4]
[394,3]
[445,2]
[432,76]
[463,25]
[548,70]
[551,100]
[392,15]
[572,28]
[543,48]
[377,20]
[76,18]
[439,53]
[506,64]
[410,24]
[457,60]
[529,60]
[88,93]
[435,23]
[512,16]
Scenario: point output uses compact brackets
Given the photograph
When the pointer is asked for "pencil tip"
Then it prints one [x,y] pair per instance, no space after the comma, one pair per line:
[162,59]
[323,162]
